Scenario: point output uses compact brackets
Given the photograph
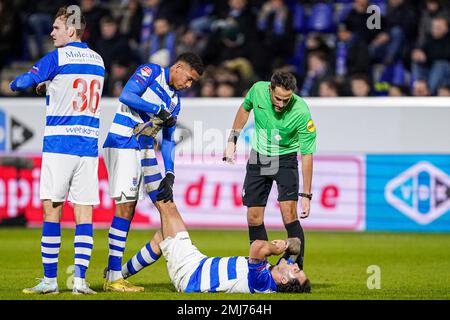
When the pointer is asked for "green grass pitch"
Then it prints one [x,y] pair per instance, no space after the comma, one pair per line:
[413,266]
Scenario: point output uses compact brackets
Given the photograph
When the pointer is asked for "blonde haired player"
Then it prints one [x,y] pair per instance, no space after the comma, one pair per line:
[74,75]
[151,94]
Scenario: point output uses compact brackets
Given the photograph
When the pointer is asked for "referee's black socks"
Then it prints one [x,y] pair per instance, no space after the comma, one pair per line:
[295,230]
[257,233]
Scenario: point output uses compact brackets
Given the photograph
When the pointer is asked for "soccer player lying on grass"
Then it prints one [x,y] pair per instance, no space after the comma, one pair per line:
[191,271]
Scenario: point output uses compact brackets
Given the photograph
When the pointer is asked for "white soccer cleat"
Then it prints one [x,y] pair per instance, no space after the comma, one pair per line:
[43,287]
[82,289]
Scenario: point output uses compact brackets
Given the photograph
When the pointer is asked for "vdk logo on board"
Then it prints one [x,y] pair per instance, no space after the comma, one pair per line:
[422,192]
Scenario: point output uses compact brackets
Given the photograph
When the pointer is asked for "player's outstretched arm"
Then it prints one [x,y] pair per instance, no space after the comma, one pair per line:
[40,72]
[168,153]
[22,82]
[261,249]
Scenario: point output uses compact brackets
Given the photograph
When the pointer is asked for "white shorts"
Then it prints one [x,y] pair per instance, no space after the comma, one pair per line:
[126,171]
[182,259]
[63,174]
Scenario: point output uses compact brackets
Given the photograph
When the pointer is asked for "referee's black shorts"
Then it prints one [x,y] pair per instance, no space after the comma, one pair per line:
[262,171]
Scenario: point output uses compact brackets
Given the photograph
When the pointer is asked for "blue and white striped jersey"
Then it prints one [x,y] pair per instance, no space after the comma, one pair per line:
[231,275]
[150,82]
[76,75]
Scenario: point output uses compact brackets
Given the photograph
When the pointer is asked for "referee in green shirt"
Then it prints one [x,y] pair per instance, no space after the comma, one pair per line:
[283,125]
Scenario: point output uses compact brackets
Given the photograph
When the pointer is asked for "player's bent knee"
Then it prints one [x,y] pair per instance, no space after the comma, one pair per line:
[126,210]
[288,212]
[156,240]
[255,217]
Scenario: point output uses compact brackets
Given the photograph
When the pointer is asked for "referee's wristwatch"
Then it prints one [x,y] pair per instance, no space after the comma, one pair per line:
[305,195]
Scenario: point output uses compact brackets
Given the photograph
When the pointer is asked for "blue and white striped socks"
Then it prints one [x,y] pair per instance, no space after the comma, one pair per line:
[50,245]
[83,249]
[117,238]
[142,259]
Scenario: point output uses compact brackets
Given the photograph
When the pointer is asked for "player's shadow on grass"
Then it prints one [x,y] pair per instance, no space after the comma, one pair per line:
[322,285]
[159,287]
[168,287]
[149,287]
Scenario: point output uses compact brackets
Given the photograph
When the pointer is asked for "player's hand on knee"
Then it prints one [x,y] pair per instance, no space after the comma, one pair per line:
[166,188]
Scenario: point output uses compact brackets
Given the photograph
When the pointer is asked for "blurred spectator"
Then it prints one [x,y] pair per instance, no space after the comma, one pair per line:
[317,71]
[207,88]
[328,89]
[351,54]
[431,62]
[93,13]
[223,74]
[315,42]
[203,13]
[420,88]
[376,39]
[356,21]
[9,32]
[176,11]
[225,89]
[401,22]
[444,91]
[118,77]
[130,22]
[162,43]
[5,90]
[111,44]
[244,41]
[39,23]
[150,11]
[398,91]
[231,33]
[433,8]
[360,85]
[243,69]
[189,41]
[275,37]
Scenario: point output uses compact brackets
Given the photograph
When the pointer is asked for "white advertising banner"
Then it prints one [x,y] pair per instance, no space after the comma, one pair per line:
[209,194]
[354,125]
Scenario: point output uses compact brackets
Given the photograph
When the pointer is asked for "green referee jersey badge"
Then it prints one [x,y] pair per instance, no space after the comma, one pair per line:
[310,126]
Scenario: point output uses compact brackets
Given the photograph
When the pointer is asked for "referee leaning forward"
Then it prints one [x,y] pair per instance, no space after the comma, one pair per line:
[283,126]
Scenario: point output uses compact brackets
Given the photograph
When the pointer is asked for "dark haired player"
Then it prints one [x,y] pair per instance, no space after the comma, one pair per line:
[151,93]
[191,271]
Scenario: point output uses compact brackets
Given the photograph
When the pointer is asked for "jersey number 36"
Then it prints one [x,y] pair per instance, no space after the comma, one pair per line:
[84,99]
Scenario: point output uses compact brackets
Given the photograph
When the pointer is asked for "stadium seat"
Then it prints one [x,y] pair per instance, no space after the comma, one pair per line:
[297,60]
[393,74]
[321,18]
[299,18]
[382,4]
[342,11]
[200,10]
[344,1]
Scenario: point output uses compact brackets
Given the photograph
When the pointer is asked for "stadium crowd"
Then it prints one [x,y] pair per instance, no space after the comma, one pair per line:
[326,44]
